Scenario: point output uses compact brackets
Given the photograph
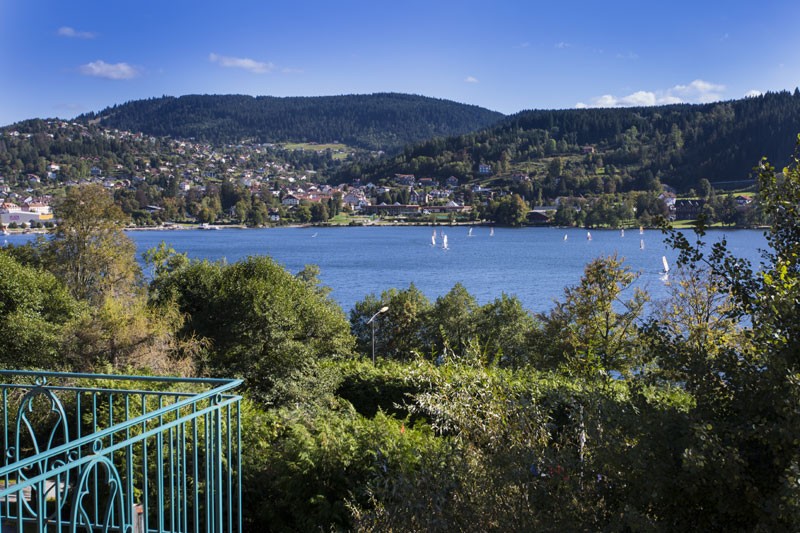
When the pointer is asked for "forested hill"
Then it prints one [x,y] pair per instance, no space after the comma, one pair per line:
[384,121]
[581,151]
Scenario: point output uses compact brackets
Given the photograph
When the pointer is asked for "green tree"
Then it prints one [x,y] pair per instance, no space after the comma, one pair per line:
[510,210]
[35,310]
[259,322]
[593,331]
[319,212]
[503,328]
[89,251]
[452,321]
[302,214]
[704,188]
[400,331]
[740,457]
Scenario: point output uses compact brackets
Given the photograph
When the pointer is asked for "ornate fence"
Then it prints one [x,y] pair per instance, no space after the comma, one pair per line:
[89,452]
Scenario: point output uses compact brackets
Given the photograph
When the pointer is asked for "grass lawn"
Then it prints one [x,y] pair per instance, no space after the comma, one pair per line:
[340,151]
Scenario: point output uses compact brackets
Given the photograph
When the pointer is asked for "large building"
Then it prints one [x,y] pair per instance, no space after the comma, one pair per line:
[26,214]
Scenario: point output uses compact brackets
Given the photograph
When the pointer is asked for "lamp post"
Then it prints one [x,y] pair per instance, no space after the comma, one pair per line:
[372,321]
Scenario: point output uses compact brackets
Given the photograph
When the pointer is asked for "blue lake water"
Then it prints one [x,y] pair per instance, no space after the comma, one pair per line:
[535,264]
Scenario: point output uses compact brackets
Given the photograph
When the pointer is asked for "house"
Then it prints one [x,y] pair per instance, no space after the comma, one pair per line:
[395,209]
[477,189]
[452,182]
[484,169]
[416,197]
[688,209]
[587,149]
[290,200]
[450,207]
[668,198]
[355,199]
[37,207]
[538,217]
[743,200]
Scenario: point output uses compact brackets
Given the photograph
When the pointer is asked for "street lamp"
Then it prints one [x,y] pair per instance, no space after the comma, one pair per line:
[372,321]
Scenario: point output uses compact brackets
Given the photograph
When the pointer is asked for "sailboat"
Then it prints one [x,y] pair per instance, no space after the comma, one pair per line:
[565,236]
[588,236]
[491,231]
[470,233]
[444,242]
[666,265]
[641,244]
[433,238]
[622,232]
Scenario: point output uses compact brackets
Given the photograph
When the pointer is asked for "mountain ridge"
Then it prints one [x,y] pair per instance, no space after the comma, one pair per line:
[378,121]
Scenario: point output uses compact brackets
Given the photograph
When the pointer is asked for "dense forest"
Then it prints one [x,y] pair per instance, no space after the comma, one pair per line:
[598,415]
[589,151]
[382,121]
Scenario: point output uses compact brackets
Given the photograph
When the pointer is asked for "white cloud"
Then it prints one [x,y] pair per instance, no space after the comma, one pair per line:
[562,44]
[115,71]
[752,93]
[66,31]
[471,79]
[257,67]
[698,91]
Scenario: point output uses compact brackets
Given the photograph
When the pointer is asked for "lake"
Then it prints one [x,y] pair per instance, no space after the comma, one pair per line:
[535,264]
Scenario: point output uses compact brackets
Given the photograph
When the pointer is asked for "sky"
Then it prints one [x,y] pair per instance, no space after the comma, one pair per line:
[63,58]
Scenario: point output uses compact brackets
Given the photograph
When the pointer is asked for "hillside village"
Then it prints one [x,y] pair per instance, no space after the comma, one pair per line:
[165,181]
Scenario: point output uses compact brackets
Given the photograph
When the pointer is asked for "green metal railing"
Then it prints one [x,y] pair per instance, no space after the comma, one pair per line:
[90,452]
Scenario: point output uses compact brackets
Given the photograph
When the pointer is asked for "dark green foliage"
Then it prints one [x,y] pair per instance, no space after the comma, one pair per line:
[509,211]
[260,322]
[382,121]
[372,389]
[400,331]
[304,469]
[34,310]
[636,148]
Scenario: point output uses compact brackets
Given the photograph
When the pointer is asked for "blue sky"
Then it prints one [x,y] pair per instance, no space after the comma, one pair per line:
[60,58]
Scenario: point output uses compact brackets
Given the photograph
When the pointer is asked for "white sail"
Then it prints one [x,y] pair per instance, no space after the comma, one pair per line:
[622,233]
[470,233]
[433,238]
[565,236]
[664,262]
[588,236]
[491,232]
[641,244]
[444,242]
